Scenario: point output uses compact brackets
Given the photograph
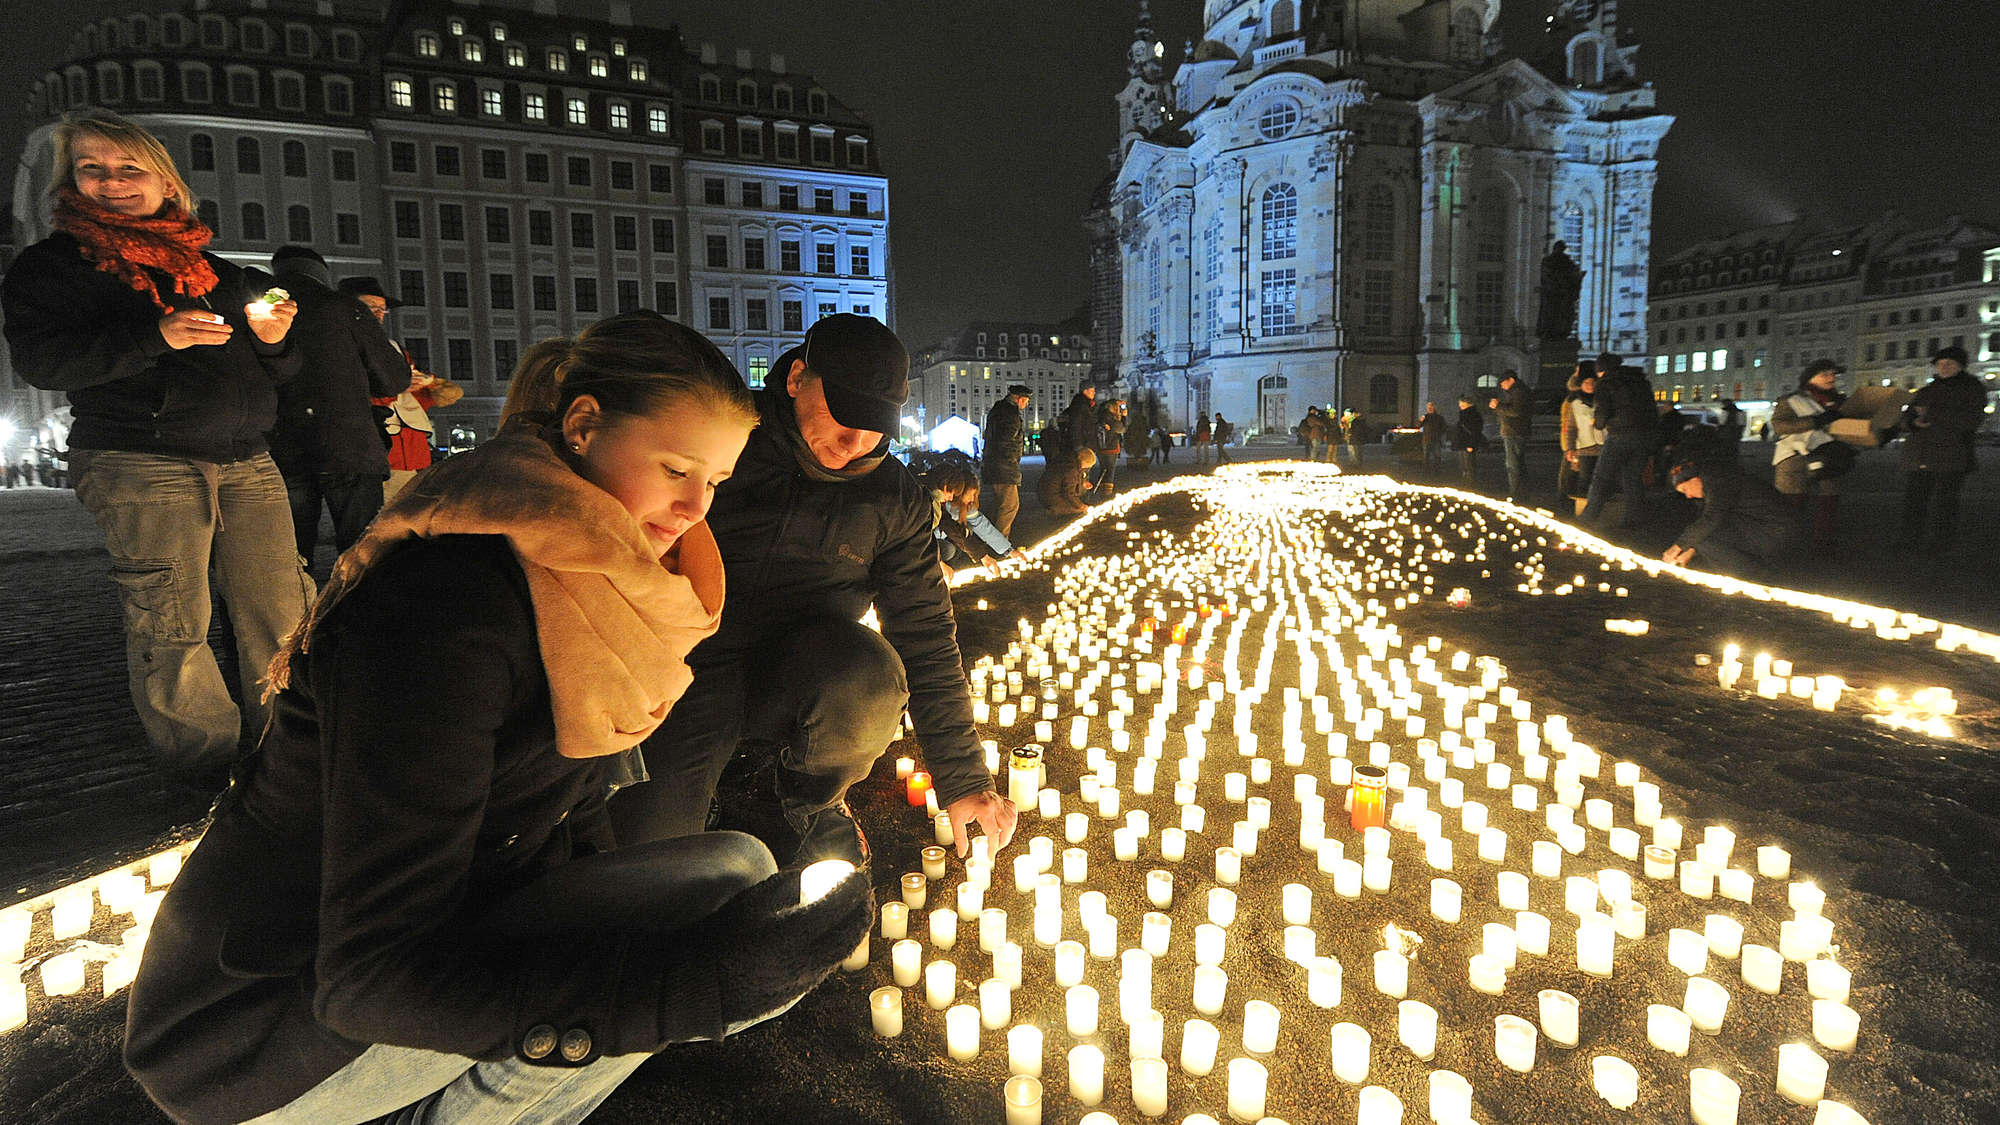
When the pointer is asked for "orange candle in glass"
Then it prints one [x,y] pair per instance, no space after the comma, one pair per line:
[1369,807]
[918,785]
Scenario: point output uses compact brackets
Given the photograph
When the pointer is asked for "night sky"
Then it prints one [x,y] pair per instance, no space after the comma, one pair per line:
[995,117]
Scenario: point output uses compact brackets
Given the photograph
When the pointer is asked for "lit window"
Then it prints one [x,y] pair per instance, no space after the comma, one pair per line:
[534,107]
[517,55]
[579,112]
[1719,359]
[636,70]
[1281,221]
[621,116]
[558,62]
[490,103]
[444,96]
[498,31]
[472,50]
[427,45]
[656,119]
[1278,312]
[401,94]
[580,43]
[618,47]
[599,68]
[456,26]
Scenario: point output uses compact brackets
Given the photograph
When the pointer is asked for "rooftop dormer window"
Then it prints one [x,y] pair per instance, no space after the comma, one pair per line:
[472,50]
[559,61]
[581,43]
[636,70]
[618,47]
[599,67]
[455,25]
[497,32]
[427,45]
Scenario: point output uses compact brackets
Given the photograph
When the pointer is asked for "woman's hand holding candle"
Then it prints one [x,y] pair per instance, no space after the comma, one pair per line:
[187,328]
[271,320]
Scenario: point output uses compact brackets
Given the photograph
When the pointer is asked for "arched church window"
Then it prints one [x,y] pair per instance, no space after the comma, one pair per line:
[1467,36]
[1490,236]
[1284,19]
[1583,62]
[1572,229]
[1278,119]
[1383,394]
[1153,271]
[1378,231]
[1280,221]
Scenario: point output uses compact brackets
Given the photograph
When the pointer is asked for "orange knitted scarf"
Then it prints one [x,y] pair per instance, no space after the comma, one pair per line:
[125,247]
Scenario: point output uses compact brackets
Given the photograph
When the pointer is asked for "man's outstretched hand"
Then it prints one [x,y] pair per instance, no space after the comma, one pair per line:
[994,814]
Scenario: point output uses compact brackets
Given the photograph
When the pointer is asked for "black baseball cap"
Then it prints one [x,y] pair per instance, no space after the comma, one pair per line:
[367,287]
[863,368]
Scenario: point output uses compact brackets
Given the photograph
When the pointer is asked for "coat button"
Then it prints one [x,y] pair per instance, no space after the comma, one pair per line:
[510,842]
[575,1045]
[539,1043]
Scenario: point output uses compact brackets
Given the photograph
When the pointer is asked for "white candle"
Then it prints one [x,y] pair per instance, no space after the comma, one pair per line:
[1392,973]
[906,961]
[1323,982]
[1546,859]
[961,1032]
[1830,1112]
[1513,888]
[885,1007]
[1667,833]
[1024,1050]
[1221,906]
[1301,944]
[1725,936]
[1375,872]
[1828,980]
[164,868]
[1023,1094]
[15,924]
[1801,1074]
[1080,1010]
[1210,985]
[1667,1029]
[1378,1106]
[1705,1004]
[1350,1053]
[1531,933]
[1697,880]
[940,984]
[1155,930]
[1147,1035]
[1487,974]
[895,921]
[1296,904]
[1346,878]
[69,913]
[1416,1027]
[1247,1082]
[13,1004]
[1076,826]
[944,928]
[1228,865]
[915,890]
[1687,950]
[1496,940]
[1007,964]
[1260,1027]
[1558,1010]
[1069,963]
[1763,969]
[1514,1043]
[1086,1074]
[1616,1081]
[1835,1025]
[1594,946]
[1199,1039]
[1209,942]
[1629,919]
[1149,1086]
[1735,884]
[1579,894]
[1774,862]
[1075,865]
[1712,1097]
[1447,899]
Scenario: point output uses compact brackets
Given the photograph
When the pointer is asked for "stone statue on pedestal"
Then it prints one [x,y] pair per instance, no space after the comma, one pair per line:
[1562,284]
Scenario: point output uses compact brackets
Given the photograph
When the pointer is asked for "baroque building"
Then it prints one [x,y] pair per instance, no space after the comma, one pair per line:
[969,371]
[1347,203]
[1741,316]
[511,171]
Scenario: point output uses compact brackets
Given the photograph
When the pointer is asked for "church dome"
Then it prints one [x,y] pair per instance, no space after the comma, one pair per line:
[1210,50]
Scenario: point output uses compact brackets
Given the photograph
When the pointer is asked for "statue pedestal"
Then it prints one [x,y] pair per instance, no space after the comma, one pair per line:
[1558,360]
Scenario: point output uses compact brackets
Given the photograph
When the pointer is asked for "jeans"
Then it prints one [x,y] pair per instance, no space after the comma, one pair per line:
[1434,458]
[657,888]
[829,693]
[167,522]
[353,497]
[1515,449]
[1003,507]
[1930,502]
[1468,467]
[1622,462]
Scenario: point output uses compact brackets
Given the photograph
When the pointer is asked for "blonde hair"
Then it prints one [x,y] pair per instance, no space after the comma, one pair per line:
[144,148]
[634,364]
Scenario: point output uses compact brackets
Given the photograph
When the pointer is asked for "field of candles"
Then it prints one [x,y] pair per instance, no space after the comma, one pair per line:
[1346,801]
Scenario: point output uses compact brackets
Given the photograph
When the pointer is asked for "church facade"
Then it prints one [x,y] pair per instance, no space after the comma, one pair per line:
[1349,203]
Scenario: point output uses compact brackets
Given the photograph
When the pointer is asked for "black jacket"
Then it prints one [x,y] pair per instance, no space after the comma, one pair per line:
[1075,428]
[1431,426]
[325,422]
[337,899]
[1005,439]
[798,546]
[1625,406]
[1517,410]
[1952,410]
[1470,434]
[1743,513]
[72,327]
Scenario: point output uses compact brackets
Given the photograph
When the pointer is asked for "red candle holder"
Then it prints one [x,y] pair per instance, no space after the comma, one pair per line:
[1369,807]
[918,786]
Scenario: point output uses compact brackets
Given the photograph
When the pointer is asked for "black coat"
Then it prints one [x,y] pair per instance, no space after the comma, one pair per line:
[72,327]
[337,899]
[1625,406]
[1744,513]
[325,422]
[1952,410]
[798,546]
[1470,435]
[1517,410]
[1075,428]
[1005,439]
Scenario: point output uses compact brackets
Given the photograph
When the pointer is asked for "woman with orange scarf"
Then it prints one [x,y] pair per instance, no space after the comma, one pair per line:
[420,909]
[171,363]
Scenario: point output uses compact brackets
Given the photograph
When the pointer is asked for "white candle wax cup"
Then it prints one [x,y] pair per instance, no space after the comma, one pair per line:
[1496,940]
[1712,1097]
[1667,1029]
[70,912]
[895,921]
[1075,866]
[996,1003]
[1392,974]
[915,890]
[1697,881]
[1830,1112]
[1615,1080]
[1024,1051]
[1667,833]
[1595,947]
[1023,1095]
[1416,1028]
[944,928]
[971,900]
[1580,894]
[1296,904]
[1835,1025]
[906,959]
[1228,865]
[1210,940]
[62,974]
[1086,1074]
[885,1008]
[1199,1039]
[1597,813]
[164,868]
[1323,982]
[1659,861]
[1377,1105]
[1211,984]
[1437,853]
[1806,899]
[1615,885]
[1545,859]
[1687,950]
[1080,1010]
[1801,1074]
[1103,937]
[1774,862]
[940,984]
[1531,933]
[905,767]
[1069,963]
[1260,1027]
[1447,899]
[1828,980]
[1149,1086]
[1376,871]
[1350,1053]
[1628,919]
[1247,1086]
[1486,974]
[1514,1043]
[1222,906]
[1763,969]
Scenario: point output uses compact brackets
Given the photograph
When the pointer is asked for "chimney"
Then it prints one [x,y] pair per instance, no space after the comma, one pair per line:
[777,63]
[621,13]
[743,60]
[708,54]
[545,7]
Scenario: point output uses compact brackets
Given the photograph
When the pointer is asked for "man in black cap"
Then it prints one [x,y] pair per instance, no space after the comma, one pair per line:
[1746,527]
[1630,420]
[405,416]
[328,442]
[1000,457]
[819,523]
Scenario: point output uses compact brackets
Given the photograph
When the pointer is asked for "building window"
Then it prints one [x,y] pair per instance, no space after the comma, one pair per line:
[558,62]
[1280,215]
[628,295]
[714,192]
[409,219]
[1378,237]
[347,228]
[1278,119]
[857,261]
[577,169]
[1376,307]
[816,102]
[823,257]
[194,83]
[718,312]
[663,236]
[493,163]
[535,167]
[788,143]
[500,290]
[444,97]
[753,252]
[822,148]
[451,222]
[472,50]
[718,251]
[534,107]
[753,193]
[621,115]
[600,67]
[428,45]
[746,92]
[788,255]
[505,354]
[788,197]
[403,157]
[542,292]
[586,293]
[823,200]
[243,87]
[446,158]
[582,230]
[624,177]
[458,353]
[411,283]
[1487,298]
[749,140]
[756,314]
[781,98]
[339,95]
[249,155]
[201,152]
[499,225]
[346,46]
[492,103]
[253,222]
[457,294]
[656,119]
[667,298]
[711,88]
[794,313]
[299,224]
[579,111]
[857,203]
[517,55]
[635,70]
[541,228]
[290,91]
[210,216]
[1278,310]
[624,232]
[857,152]
[711,136]
[1490,237]
[149,81]
[660,178]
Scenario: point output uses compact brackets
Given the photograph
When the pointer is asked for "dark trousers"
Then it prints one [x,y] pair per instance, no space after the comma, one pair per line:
[1005,504]
[1622,463]
[354,499]
[829,694]
[1930,506]
[1468,467]
[1515,450]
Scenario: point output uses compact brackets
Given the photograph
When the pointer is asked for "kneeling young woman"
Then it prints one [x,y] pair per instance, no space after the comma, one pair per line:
[411,902]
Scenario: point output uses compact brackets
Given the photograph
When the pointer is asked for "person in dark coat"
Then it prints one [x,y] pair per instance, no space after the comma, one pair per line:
[1063,483]
[1225,432]
[818,525]
[329,442]
[1004,438]
[1203,436]
[1745,528]
[1432,431]
[1108,441]
[171,362]
[1938,453]
[1516,408]
[417,909]
[1630,422]
[1469,438]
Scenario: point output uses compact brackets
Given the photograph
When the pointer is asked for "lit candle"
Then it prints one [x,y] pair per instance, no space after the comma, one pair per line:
[1416,1027]
[62,974]
[885,1007]
[1069,963]
[941,827]
[1559,1016]
[1706,1004]
[1023,1094]
[1712,1097]
[1210,985]
[1801,1074]
[1514,1043]
[1697,881]
[1392,973]
[70,912]
[1616,1081]
[1806,899]
[1260,1027]
[1222,906]
[1531,933]
[918,784]
[944,928]
[164,868]
[1667,1029]
[1447,899]
[1774,862]
[1086,1074]
[1687,950]
[915,889]
[1228,865]
[13,1005]
[1323,982]
[1199,1039]
[1375,872]
[1835,1025]
[1024,1052]
[1828,980]
[895,921]
[906,962]
[1496,940]
[940,984]
[1763,969]
[1296,908]
[1594,946]
[1080,1010]
[1487,975]
[1346,878]
[1546,859]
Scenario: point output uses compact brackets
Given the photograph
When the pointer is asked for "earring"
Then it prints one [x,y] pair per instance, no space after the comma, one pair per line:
[576,447]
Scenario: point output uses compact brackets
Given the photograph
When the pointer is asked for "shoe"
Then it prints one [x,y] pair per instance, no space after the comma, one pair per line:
[831,833]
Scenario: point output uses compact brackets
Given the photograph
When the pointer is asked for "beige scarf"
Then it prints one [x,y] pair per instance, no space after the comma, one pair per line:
[615,623]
